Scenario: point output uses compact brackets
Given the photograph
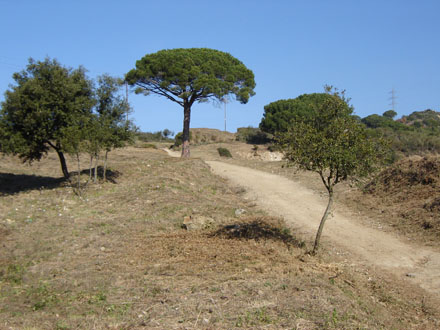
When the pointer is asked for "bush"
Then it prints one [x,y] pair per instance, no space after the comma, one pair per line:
[159,136]
[252,135]
[273,148]
[223,152]
[148,146]
[179,137]
[418,133]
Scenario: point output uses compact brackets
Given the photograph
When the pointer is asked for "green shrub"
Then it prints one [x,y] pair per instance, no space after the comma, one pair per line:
[273,148]
[418,133]
[159,136]
[223,152]
[179,137]
[149,146]
[252,135]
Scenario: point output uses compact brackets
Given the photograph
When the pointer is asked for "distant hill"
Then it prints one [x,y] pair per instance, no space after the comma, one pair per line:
[417,133]
[427,118]
[205,135]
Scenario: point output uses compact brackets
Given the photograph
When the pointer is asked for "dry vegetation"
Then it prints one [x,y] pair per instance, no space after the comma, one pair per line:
[117,258]
[209,135]
[406,196]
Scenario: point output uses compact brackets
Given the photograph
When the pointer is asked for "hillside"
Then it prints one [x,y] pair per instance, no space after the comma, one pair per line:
[406,196]
[427,118]
[416,134]
[119,258]
[210,135]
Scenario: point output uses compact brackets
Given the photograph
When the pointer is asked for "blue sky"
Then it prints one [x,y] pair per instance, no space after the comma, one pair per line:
[293,47]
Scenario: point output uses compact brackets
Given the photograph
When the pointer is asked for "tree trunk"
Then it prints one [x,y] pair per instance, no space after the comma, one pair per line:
[90,167]
[96,168]
[185,134]
[324,217]
[79,173]
[105,166]
[63,163]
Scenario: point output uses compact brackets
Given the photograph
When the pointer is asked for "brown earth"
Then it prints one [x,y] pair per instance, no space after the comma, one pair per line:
[409,195]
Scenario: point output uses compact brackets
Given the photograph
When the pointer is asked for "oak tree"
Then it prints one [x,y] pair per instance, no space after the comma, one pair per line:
[47,102]
[110,127]
[331,142]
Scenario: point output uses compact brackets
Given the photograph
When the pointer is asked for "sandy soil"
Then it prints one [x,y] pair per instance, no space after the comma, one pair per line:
[171,152]
[303,208]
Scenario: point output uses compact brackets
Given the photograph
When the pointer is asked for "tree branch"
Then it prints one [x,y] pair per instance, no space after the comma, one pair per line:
[337,176]
[329,179]
[52,145]
[323,180]
[153,88]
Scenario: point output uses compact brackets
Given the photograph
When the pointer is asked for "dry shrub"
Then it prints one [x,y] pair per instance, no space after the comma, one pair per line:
[209,135]
[3,232]
[259,228]
[407,174]
[407,192]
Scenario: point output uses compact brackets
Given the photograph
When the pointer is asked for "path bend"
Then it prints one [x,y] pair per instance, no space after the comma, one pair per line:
[302,208]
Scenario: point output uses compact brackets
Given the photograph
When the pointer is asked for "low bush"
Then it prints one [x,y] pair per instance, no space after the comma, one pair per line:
[223,152]
[252,135]
[178,139]
[148,146]
[159,136]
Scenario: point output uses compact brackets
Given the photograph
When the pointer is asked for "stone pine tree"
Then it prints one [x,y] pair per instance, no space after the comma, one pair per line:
[186,76]
[278,115]
[47,98]
[331,142]
[390,114]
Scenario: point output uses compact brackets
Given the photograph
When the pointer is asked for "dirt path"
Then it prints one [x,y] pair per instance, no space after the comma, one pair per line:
[303,208]
[171,152]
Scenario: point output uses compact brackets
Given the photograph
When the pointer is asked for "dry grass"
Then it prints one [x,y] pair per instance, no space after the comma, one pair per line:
[117,258]
[209,135]
[408,195]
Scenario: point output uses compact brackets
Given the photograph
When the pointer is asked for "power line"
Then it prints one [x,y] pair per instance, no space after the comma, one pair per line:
[393,99]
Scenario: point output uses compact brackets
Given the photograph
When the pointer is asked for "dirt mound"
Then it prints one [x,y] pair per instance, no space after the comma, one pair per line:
[411,188]
[408,174]
[210,135]
[268,156]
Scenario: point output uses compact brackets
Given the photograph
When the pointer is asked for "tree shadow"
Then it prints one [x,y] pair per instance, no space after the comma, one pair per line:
[14,183]
[110,175]
[11,184]
[258,230]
